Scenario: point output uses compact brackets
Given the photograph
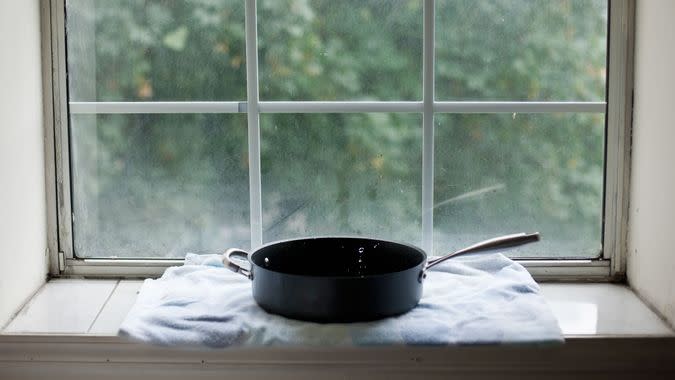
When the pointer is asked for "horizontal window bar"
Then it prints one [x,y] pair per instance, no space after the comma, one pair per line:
[155,107]
[333,107]
[541,270]
[518,107]
[339,107]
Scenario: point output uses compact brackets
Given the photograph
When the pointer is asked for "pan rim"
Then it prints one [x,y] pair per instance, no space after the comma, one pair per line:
[422,253]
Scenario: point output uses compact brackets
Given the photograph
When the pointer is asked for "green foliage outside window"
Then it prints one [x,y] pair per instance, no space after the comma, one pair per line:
[162,185]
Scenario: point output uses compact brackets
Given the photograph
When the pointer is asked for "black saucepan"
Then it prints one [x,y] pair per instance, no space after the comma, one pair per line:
[344,279]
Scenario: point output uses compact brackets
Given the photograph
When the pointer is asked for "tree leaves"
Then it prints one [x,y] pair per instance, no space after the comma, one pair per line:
[346,173]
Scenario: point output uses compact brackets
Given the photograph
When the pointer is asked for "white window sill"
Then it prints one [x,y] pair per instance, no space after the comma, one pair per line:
[69,328]
[97,307]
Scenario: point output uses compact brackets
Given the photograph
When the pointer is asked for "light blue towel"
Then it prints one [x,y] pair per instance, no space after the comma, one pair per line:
[476,299]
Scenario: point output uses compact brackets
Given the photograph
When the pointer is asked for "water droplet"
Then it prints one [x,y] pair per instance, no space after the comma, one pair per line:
[267,261]
[361,250]
[360,260]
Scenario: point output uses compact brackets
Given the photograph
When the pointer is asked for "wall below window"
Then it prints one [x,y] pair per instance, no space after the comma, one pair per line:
[22,182]
[651,241]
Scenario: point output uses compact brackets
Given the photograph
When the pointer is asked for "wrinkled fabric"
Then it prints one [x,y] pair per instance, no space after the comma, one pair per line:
[475,299]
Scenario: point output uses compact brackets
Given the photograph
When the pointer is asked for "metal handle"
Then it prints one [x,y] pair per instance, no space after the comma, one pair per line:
[502,242]
[233,266]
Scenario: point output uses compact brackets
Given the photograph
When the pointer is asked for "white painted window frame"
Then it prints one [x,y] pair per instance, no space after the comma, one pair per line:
[618,108]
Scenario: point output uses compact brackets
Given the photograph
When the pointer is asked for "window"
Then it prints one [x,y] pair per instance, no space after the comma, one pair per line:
[196,125]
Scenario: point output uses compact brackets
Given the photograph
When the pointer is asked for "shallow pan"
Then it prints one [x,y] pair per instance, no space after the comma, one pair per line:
[344,279]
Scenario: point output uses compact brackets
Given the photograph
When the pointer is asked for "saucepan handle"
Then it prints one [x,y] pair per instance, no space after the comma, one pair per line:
[502,242]
[233,265]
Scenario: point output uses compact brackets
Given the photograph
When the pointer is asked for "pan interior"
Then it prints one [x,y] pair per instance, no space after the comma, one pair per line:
[337,256]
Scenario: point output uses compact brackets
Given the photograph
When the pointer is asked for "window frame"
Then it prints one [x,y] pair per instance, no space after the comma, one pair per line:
[610,266]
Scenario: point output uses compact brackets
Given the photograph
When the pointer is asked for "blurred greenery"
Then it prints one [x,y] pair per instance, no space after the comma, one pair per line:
[162,185]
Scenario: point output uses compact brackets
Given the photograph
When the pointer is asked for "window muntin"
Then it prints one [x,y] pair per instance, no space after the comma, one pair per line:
[392,107]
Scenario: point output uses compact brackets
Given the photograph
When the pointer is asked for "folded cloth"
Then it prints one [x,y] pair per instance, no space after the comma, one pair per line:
[475,299]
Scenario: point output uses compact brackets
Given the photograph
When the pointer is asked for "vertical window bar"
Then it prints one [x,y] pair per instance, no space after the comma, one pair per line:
[428,129]
[61,128]
[255,193]
[618,133]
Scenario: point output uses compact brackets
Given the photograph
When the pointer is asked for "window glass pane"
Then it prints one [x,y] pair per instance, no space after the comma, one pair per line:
[125,50]
[502,173]
[342,174]
[521,50]
[340,50]
[159,185]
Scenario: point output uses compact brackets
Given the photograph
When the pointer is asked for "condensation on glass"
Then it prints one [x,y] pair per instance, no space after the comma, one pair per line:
[161,185]
[154,50]
[515,50]
[148,186]
[342,174]
[340,50]
[503,173]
